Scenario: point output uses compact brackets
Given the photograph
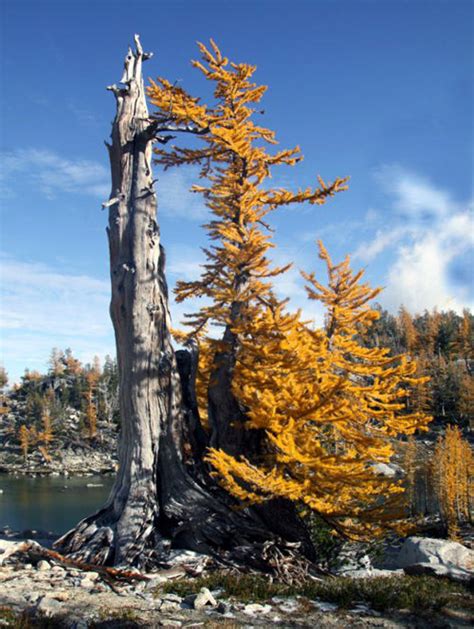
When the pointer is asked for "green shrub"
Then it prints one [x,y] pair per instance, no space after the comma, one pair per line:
[417,594]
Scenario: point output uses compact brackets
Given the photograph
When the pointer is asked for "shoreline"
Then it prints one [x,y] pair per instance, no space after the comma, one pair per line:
[43,473]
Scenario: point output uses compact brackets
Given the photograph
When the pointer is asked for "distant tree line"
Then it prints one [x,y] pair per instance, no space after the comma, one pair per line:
[45,401]
[443,344]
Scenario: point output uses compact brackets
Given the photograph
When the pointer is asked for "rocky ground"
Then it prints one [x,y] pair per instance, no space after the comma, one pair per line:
[36,591]
[70,453]
[82,600]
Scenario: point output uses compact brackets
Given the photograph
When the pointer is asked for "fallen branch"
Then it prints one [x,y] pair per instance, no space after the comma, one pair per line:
[35,552]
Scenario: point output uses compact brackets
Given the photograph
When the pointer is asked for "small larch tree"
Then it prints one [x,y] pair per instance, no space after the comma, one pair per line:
[92,379]
[408,330]
[46,434]
[330,408]
[453,469]
[24,439]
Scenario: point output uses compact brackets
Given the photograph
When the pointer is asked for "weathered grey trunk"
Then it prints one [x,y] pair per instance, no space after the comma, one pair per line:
[163,494]
[149,384]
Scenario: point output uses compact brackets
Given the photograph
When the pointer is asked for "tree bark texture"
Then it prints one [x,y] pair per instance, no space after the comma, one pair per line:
[163,495]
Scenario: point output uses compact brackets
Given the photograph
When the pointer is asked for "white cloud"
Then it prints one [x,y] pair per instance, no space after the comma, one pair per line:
[419,278]
[414,196]
[429,232]
[51,174]
[41,308]
[382,240]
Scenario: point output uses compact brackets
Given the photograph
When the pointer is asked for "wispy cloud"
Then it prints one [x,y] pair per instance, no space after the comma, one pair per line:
[52,174]
[382,240]
[430,236]
[184,262]
[174,198]
[41,308]
[420,277]
[414,196]
[84,116]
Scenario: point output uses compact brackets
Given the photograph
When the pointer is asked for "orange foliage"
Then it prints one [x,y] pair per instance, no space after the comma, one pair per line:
[92,378]
[328,405]
[453,467]
[330,408]
[24,439]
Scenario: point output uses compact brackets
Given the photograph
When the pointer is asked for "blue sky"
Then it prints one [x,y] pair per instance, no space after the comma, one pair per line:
[380,91]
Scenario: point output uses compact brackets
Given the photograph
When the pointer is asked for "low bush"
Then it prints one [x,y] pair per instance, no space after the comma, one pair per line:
[417,594]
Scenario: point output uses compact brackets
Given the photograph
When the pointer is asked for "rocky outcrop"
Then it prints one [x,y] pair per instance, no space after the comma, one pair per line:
[439,557]
[69,453]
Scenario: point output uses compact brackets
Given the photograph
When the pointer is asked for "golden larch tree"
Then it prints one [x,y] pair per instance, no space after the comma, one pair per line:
[46,434]
[237,164]
[330,408]
[453,469]
[463,345]
[409,332]
[466,399]
[24,438]
[409,464]
[432,328]
[72,365]
[92,379]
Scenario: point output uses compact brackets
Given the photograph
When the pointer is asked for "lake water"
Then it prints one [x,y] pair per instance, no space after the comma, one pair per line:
[52,503]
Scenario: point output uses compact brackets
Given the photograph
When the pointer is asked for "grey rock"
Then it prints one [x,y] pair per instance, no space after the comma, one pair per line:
[204,598]
[49,606]
[389,470]
[254,609]
[58,570]
[323,606]
[93,576]
[169,607]
[286,605]
[438,552]
[361,608]
[86,584]
[440,570]
[174,598]
[8,548]
[368,573]
[43,565]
